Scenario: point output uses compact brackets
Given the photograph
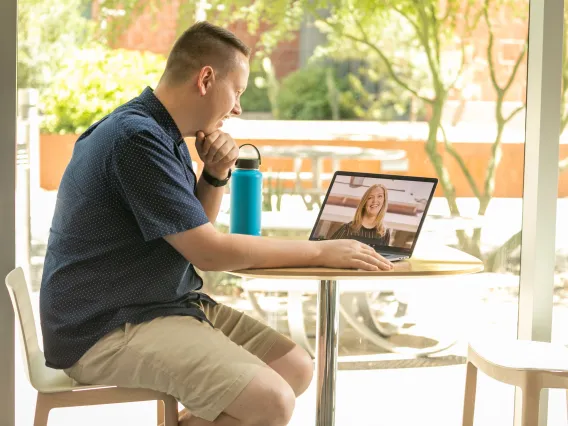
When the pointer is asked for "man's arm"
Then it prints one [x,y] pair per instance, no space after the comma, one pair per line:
[210,198]
[219,152]
[211,250]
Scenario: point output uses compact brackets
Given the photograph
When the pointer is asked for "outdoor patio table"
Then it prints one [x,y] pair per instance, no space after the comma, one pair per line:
[430,261]
[317,153]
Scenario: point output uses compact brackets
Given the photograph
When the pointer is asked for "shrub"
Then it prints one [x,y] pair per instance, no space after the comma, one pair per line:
[255,98]
[305,95]
[92,82]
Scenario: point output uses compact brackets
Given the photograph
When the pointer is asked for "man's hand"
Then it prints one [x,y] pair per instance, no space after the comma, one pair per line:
[351,254]
[218,151]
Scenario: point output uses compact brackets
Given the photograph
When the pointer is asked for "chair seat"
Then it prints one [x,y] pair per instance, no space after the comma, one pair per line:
[52,381]
[523,355]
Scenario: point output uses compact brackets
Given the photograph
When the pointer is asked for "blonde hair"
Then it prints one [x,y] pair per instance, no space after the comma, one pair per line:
[358,219]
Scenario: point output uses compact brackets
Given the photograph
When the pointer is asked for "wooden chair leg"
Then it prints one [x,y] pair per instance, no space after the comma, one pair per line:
[170,411]
[43,407]
[531,404]
[161,413]
[469,396]
[567,404]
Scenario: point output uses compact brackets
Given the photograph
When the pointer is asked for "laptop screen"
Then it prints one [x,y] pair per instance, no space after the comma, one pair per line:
[384,211]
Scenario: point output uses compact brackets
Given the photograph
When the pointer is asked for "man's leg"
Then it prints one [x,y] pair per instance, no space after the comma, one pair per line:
[295,367]
[220,382]
[267,400]
[289,360]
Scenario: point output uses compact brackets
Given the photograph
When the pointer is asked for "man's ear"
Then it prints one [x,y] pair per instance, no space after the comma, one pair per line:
[205,79]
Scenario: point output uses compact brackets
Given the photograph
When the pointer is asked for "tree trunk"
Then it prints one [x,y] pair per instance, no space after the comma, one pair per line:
[438,163]
[489,188]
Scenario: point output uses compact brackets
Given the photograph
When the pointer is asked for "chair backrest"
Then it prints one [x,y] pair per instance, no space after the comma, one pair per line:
[34,360]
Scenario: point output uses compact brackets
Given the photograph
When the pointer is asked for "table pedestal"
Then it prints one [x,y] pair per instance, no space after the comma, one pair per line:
[326,351]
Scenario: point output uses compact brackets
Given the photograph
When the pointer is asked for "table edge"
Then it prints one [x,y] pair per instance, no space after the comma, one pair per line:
[282,273]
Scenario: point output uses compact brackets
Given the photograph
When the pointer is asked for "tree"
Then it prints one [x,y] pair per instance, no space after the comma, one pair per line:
[514,242]
[47,30]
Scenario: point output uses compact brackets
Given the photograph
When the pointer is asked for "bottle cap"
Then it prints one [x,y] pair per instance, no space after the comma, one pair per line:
[247,162]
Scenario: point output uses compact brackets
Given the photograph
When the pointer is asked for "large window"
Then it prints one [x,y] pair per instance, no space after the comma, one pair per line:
[443,83]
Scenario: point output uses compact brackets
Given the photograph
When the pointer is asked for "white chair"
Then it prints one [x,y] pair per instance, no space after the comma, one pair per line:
[529,365]
[55,389]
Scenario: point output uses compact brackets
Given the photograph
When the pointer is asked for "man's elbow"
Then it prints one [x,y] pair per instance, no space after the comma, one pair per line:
[211,257]
[209,265]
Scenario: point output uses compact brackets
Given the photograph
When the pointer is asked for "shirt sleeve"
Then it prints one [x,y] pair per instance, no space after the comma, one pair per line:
[157,187]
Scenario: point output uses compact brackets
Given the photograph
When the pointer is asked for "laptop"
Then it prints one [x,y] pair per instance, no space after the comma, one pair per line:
[384,211]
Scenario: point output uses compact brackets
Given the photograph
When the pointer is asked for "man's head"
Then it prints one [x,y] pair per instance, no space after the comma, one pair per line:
[206,72]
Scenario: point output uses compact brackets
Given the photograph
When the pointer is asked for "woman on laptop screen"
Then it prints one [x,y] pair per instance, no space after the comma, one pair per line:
[368,219]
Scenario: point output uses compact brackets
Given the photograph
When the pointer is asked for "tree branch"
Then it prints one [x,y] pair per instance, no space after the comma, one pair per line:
[514,112]
[426,44]
[410,21]
[465,36]
[515,69]
[490,63]
[461,163]
[384,58]
[461,67]
[435,30]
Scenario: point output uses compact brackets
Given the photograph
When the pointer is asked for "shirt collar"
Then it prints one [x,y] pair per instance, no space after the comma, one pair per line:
[160,114]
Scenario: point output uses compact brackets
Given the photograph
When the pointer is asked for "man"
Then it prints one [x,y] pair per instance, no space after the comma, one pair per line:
[119,299]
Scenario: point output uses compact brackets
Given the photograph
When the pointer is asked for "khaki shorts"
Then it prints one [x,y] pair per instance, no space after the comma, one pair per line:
[205,368]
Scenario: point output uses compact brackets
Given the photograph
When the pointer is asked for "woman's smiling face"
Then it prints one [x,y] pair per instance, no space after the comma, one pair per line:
[375,202]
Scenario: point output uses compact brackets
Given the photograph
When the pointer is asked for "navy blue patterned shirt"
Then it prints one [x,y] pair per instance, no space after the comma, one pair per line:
[129,183]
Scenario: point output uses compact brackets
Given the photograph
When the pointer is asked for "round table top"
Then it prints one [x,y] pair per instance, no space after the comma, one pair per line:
[427,260]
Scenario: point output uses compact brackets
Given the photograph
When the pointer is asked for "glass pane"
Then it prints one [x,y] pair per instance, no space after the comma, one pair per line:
[557,408]
[432,89]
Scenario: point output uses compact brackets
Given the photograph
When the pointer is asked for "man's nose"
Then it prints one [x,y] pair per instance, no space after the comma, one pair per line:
[237,110]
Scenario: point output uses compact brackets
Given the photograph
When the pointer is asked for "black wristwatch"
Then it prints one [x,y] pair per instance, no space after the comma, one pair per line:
[213,181]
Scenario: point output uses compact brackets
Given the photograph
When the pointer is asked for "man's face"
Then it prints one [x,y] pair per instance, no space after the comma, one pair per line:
[222,95]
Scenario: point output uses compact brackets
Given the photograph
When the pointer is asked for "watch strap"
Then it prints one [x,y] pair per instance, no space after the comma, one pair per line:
[211,180]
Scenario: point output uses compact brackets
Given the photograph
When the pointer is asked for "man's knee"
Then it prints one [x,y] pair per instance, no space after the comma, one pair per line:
[297,368]
[305,371]
[268,400]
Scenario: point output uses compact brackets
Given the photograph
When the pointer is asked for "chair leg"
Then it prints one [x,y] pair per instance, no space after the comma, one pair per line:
[469,396]
[170,411]
[43,407]
[531,404]
[161,413]
[567,403]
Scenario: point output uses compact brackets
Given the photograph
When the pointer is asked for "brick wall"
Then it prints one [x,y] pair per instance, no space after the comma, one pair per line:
[145,34]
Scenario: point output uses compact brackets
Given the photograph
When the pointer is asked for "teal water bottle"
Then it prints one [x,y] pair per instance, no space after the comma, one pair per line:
[246,196]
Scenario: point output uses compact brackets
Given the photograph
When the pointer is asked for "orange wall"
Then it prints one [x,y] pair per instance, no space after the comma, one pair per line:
[54,153]
[56,150]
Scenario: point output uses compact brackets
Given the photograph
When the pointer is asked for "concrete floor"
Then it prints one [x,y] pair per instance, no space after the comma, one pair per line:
[374,393]
[407,397]
[369,391]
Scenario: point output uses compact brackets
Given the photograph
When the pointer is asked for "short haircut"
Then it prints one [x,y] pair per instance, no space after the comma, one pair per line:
[200,45]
